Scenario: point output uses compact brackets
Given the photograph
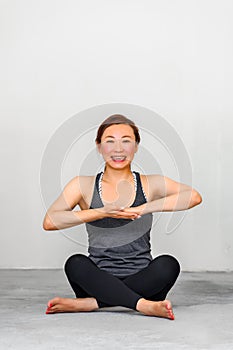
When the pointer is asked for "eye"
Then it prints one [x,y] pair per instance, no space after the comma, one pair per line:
[126,141]
[109,141]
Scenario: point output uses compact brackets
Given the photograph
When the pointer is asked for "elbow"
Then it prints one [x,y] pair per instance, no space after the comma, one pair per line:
[47,224]
[196,198]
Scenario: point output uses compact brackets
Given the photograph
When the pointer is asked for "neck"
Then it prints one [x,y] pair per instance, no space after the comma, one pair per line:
[115,175]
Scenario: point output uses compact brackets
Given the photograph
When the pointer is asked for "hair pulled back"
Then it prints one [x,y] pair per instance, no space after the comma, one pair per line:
[117,119]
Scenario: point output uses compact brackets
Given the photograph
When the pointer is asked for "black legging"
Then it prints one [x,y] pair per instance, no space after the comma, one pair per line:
[152,282]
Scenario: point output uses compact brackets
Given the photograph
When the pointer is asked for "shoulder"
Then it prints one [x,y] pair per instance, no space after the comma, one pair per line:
[148,182]
[153,184]
[79,190]
[161,186]
[80,183]
[84,181]
[152,178]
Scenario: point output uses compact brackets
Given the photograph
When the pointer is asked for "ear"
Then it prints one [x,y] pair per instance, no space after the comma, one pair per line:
[98,147]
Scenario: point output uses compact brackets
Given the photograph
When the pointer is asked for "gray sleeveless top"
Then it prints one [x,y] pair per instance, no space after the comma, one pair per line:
[120,246]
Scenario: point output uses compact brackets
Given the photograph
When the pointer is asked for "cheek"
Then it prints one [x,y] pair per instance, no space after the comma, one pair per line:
[106,148]
[130,149]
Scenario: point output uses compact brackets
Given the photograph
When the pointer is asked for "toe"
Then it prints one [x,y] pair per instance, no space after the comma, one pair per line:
[168,305]
[53,302]
[171,315]
[52,309]
[50,303]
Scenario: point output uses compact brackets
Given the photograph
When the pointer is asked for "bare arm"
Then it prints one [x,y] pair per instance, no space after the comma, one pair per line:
[168,195]
[61,215]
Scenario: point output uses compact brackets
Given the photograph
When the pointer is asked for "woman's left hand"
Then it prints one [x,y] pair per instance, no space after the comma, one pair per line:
[138,210]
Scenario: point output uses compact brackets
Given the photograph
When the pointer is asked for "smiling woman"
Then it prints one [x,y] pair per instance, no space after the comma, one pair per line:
[119,270]
[118,142]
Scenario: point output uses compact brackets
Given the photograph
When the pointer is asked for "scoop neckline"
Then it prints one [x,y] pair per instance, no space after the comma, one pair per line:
[136,189]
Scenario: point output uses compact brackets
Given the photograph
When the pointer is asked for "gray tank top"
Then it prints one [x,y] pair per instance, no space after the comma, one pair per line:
[120,246]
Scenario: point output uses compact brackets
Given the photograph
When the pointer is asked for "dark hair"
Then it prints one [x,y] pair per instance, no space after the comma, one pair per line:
[117,119]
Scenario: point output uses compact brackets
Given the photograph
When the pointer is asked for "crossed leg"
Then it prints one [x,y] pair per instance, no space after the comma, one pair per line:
[144,291]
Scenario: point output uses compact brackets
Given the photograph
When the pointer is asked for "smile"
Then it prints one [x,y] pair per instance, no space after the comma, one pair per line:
[118,159]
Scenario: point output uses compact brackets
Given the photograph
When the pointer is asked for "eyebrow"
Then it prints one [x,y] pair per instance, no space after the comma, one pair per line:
[114,137]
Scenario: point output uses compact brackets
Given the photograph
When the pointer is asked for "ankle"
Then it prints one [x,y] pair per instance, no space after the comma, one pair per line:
[141,304]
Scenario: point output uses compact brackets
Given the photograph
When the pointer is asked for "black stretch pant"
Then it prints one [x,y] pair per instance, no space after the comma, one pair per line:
[152,282]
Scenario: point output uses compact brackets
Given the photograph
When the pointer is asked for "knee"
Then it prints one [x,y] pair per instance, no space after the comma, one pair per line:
[170,264]
[74,262]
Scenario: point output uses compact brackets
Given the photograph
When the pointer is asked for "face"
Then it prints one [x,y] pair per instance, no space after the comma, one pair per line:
[118,145]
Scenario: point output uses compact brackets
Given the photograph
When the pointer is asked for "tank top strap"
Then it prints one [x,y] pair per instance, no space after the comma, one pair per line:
[140,194]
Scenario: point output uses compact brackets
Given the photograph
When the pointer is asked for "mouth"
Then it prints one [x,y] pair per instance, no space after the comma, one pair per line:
[118,158]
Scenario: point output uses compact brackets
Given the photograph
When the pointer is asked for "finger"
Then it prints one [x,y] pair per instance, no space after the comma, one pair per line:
[121,213]
[132,217]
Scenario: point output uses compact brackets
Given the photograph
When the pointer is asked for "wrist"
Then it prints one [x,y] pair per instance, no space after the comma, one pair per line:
[142,209]
[101,212]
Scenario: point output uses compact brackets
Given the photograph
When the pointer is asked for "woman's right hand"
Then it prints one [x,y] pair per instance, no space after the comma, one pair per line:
[114,211]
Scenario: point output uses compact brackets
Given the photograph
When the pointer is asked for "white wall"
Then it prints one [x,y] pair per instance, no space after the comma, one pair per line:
[59,58]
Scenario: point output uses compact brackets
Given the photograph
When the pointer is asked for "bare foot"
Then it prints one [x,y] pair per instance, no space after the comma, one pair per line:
[71,305]
[155,308]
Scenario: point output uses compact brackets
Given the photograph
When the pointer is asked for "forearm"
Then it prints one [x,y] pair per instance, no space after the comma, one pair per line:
[58,220]
[176,202]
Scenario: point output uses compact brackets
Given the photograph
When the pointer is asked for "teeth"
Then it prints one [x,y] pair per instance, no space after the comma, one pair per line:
[118,158]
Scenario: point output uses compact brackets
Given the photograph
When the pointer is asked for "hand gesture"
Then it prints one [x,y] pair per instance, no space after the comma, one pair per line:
[117,212]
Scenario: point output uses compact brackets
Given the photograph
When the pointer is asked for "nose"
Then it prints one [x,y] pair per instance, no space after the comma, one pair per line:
[118,146]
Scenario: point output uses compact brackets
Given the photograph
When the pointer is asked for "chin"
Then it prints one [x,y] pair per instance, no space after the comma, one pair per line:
[114,165]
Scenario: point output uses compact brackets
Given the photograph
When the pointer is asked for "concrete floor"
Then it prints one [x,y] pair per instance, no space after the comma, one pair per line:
[202,303]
